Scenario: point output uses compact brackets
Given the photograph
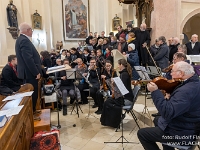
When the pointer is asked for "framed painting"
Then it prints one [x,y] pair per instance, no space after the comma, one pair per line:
[36,21]
[116,21]
[75,19]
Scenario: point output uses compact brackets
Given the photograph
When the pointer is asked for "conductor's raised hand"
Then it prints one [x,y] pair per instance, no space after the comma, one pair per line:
[152,86]
[38,76]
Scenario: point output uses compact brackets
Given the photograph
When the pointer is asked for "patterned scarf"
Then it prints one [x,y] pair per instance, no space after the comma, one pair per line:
[129,40]
[14,69]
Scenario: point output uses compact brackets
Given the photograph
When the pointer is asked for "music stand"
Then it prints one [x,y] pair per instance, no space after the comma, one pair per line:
[122,89]
[144,79]
[71,74]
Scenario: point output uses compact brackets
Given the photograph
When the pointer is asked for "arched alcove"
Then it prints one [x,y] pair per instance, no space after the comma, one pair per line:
[192,26]
[192,17]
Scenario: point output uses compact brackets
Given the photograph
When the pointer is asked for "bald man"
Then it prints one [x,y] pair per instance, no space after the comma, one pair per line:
[193,47]
[180,115]
[29,64]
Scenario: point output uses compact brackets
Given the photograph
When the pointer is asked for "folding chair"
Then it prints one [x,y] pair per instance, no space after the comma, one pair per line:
[129,108]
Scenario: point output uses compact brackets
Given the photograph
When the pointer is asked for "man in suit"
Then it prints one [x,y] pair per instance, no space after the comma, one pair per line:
[9,74]
[29,63]
[193,47]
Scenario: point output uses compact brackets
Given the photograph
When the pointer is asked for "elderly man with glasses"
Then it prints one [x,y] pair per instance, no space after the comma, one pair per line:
[180,114]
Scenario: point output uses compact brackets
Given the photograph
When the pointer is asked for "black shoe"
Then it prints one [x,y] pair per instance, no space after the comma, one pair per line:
[80,103]
[64,110]
[72,100]
[99,112]
[155,115]
[94,106]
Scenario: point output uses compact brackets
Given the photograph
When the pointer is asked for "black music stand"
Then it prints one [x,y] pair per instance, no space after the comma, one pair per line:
[144,78]
[71,74]
[123,139]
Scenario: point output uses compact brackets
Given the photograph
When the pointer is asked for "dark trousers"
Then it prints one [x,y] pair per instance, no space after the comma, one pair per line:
[100,99]
[93,91]
[149,136]
[84,94]
[34,83]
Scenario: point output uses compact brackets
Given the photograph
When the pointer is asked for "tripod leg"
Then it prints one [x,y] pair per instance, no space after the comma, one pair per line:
[135,118]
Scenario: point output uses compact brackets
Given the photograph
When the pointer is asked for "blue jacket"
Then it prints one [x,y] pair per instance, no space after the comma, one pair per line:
[181,113]
[133,58]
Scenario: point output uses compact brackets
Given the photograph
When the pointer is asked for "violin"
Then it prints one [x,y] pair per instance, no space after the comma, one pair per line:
[163,84]
[105,88]
[169,68]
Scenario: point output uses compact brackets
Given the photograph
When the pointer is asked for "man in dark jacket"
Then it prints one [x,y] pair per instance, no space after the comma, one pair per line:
[29,63]
[180,115]
[162,57]
[174,48]
[143,39]
[193,47]
[9,74]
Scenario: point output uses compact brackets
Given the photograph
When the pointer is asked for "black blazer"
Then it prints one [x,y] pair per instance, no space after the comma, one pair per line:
[195,50]
[9,79]
[28,59]
[126,79]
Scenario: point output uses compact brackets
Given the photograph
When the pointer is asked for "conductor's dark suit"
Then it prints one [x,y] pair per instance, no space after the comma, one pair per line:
[29,64]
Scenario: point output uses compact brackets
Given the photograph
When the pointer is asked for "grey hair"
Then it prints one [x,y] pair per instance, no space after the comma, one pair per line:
[177,40]
[23,27]
[194,35]
[162,38]
[185,67]
[183,47]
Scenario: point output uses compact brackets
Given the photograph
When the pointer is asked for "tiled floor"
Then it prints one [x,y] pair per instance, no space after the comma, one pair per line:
[89,134]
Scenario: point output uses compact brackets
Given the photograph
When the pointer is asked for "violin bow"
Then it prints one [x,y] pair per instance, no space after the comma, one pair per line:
[154,61]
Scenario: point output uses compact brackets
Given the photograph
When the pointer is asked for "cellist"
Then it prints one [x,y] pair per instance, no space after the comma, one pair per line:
[108,73]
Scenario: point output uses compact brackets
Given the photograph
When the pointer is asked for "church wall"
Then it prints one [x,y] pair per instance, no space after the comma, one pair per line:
[101,14]
[164,19]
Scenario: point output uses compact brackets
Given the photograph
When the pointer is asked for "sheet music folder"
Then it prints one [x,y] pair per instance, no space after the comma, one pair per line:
[57,68]
[117,86]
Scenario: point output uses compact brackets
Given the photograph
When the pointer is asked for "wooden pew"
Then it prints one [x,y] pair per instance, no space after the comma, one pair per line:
[18,130]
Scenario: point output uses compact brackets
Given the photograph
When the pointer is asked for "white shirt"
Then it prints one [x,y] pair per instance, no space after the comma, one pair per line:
[26,36]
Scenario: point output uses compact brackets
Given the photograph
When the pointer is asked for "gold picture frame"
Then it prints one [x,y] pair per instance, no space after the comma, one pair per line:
[36,21]
[116,21]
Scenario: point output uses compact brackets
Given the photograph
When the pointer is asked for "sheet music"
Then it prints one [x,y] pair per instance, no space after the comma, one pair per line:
[12,111]
[70,73]
[17,96]
[55,68]
[120,85]
[142,72]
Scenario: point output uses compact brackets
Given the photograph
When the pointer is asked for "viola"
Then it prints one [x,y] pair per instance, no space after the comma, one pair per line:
[163,84]
[169,68]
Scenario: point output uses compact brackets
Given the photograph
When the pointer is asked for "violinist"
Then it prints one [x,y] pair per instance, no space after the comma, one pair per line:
[108,73]
[81,68]
[111,113]
[179,115]
[93,76]
[100,60]
[178,56]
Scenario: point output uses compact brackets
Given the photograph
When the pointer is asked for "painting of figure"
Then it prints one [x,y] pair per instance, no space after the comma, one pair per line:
[75,19]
